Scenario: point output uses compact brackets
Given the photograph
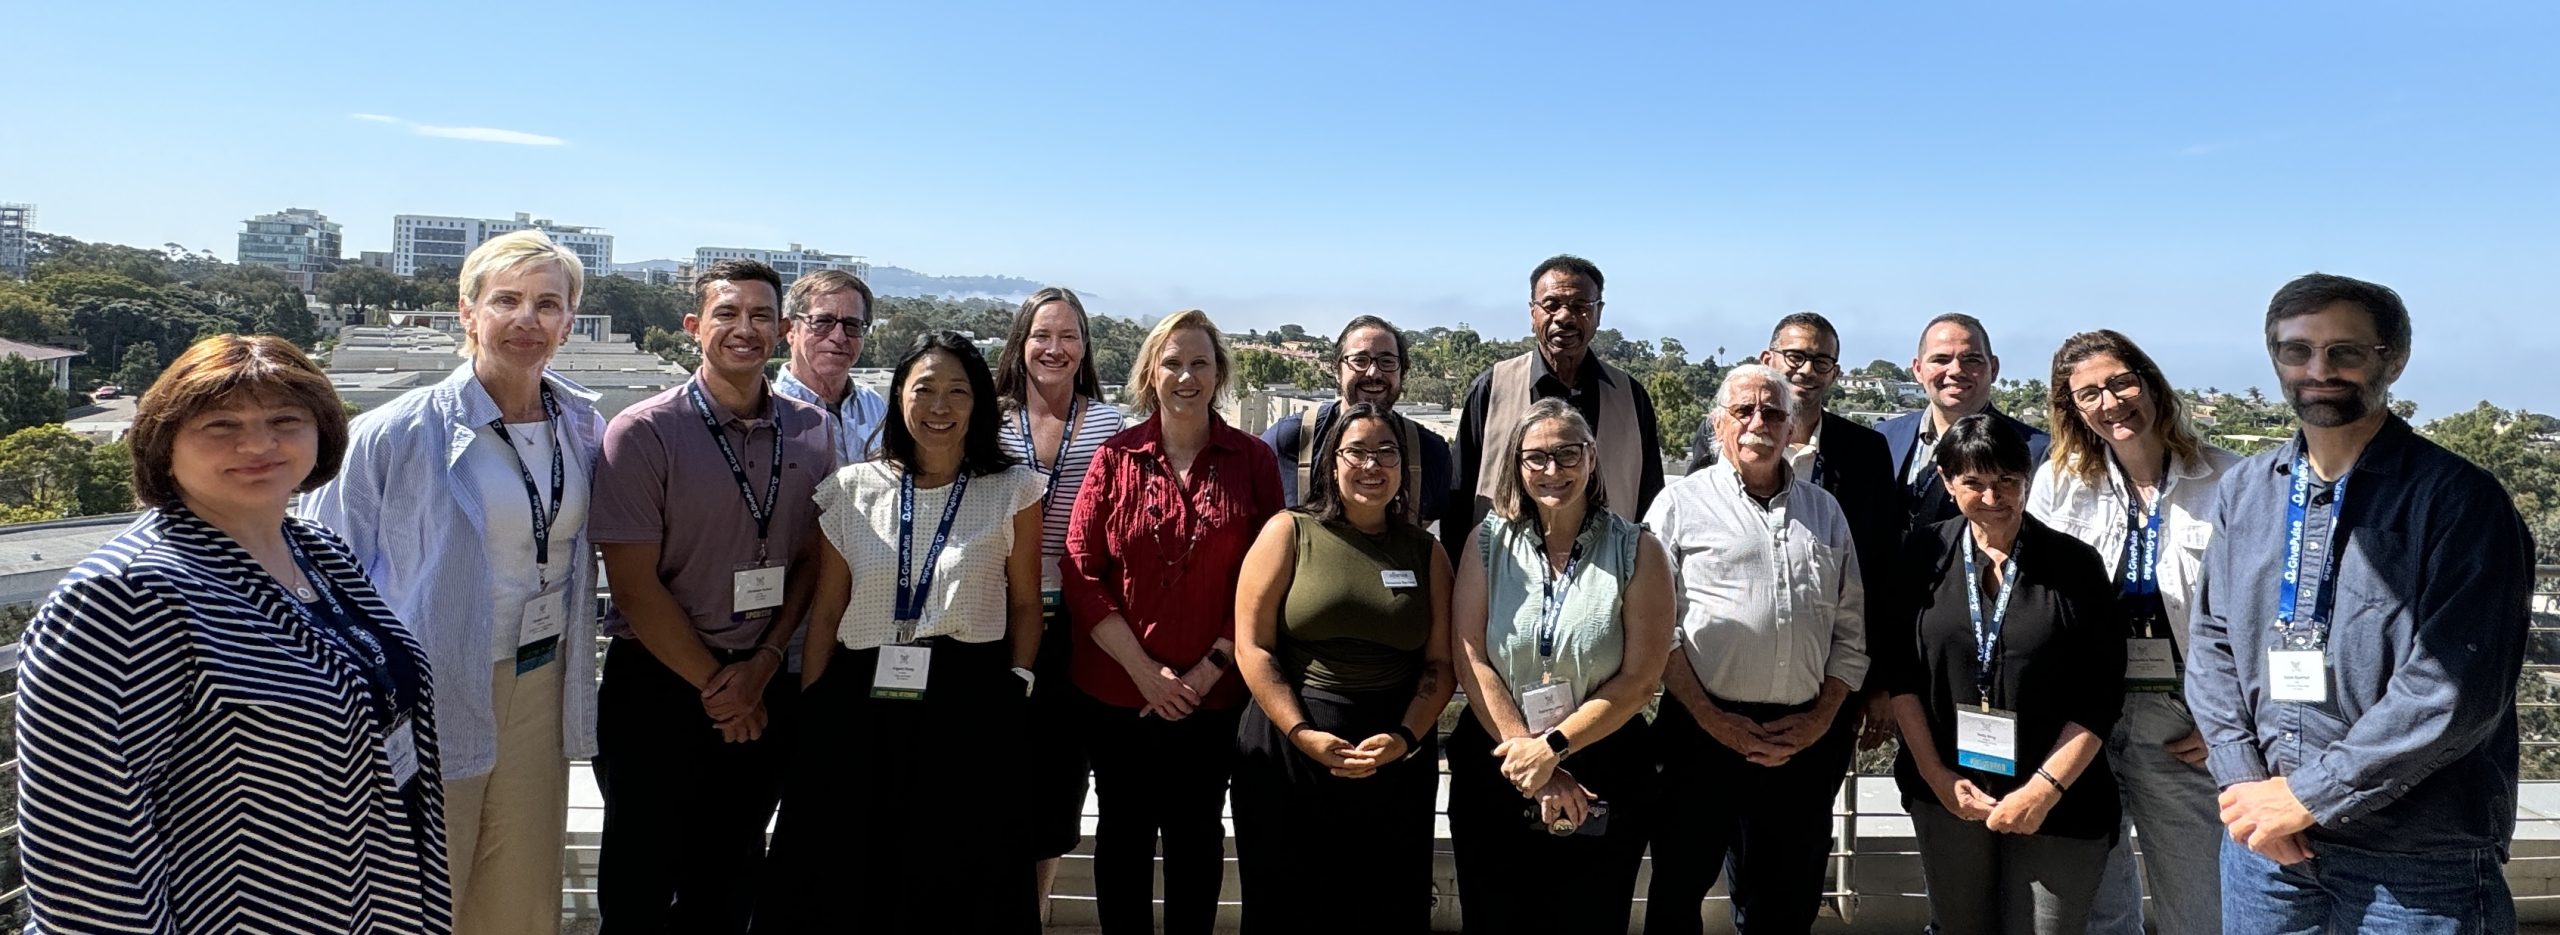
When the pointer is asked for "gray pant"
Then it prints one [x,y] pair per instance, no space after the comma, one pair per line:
[2174,805]
[1982,882]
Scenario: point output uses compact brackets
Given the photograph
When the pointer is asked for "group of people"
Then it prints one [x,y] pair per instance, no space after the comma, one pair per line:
[905,631]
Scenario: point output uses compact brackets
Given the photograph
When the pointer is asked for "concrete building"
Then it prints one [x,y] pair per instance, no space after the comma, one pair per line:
[373,365]
[299,242]
[421,241]
[14,219]
[792,263]
[55,359]
[378,259]
[581,327]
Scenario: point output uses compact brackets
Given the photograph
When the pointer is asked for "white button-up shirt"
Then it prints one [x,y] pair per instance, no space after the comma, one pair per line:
[1768,594]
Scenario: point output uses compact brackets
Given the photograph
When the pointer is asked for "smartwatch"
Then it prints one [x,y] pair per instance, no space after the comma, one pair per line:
[1220,660]
[1557,741]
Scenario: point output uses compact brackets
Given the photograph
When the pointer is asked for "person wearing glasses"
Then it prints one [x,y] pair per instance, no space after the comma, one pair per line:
[1052,417]
[1563,617]
[1957,371]
[2003,648]
[2129,478]
[1154,552]
[828,313]
[1564,315]
[1369,362]
[2360,622]
[1342,633]
[1772,645]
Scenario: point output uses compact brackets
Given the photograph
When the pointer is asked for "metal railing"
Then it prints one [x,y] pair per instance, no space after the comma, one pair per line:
[2538,697]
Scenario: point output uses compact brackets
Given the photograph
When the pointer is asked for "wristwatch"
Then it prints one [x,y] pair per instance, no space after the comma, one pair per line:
[1557,741]
[1029,679]
[1219,659]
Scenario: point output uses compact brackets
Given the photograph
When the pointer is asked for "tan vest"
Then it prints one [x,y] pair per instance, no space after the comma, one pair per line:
[1621,440]
[1408,441]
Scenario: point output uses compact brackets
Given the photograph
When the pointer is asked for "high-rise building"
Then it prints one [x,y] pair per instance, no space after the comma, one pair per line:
[299,242]
[421,241]
[791,263]
[13,238]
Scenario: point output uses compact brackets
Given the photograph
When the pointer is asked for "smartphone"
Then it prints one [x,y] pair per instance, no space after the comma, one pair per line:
[1595,819]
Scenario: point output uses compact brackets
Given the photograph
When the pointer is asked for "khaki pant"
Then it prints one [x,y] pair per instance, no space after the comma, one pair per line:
[504,828]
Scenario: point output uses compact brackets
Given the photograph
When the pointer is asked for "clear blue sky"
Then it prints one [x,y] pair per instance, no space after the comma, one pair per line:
[2050,167]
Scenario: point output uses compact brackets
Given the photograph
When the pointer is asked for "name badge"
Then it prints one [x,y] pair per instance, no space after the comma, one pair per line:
[901,672]
[538,639]
[1987,740]
[755,588]
[400,746]
[1398,578]
[1545,706]
[2150,665]
[2298,675]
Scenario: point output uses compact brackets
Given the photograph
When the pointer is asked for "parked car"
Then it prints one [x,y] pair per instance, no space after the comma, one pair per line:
[107,391]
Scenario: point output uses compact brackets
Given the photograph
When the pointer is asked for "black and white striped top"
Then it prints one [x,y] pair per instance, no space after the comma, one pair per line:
[195,758]
[1098,422]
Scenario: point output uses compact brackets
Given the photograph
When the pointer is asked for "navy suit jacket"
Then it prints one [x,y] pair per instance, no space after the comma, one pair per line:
[1927,502]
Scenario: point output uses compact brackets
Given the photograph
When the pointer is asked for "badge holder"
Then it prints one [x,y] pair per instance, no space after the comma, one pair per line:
[1546,705]
[538,637]
[1987,740]
[903,666]
[400,748]
[2298,675]
[2150,664]
[1398,579]
[755,589]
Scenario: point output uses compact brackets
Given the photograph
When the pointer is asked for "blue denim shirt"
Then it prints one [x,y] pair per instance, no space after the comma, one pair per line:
[2415,748]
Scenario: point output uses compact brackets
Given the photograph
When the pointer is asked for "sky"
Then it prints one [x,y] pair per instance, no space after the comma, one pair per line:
[2155,168]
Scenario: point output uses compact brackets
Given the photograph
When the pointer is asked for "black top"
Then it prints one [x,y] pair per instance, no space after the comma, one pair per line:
[2061,660]
[1857,471]
[1584,396]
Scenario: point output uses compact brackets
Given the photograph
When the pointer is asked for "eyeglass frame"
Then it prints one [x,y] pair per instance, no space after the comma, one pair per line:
[1389,457]
[2329,351]
[1529,457]
[1379,363]
[1821,364]
[813,323]
[2086,398]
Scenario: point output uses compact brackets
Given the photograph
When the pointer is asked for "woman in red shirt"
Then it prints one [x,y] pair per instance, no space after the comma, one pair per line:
[1157,541]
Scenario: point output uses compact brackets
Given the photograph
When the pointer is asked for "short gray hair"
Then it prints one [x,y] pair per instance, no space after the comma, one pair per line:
[1763,372]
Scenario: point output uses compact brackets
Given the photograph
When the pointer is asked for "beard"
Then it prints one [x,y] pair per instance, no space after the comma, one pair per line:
[2331,413]
[1369,391]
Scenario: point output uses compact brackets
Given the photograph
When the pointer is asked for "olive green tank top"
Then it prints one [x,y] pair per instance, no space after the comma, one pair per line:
[1358,609]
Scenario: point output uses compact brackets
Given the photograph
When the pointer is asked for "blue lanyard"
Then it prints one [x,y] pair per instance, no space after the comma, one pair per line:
[761,511]
[340,627]
[2289,588]
[533,495]
[1986,636]
[1057,469]
[2141,572]
[1551,602]
[912,587]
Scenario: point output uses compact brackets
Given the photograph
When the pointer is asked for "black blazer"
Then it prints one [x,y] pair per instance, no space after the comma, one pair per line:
[2061,660]
[1857,470]
[1927,502]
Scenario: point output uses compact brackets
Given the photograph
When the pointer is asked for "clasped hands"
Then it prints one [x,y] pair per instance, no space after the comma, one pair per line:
[2021,812]
[734,696]
[1346,759]
[2265,817]
[1769,744]
[1170,695]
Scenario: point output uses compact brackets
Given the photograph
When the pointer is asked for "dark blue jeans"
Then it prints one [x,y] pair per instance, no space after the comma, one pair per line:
[2345,889]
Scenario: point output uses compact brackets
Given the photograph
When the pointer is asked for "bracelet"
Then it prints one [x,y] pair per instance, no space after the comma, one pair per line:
[1302,725]
[2048,777]
[1411,746]
[768,648]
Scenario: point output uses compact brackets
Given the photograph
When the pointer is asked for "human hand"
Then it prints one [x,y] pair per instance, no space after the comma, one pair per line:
[1740,735]
[1323,747]
[1561,798]
[2024,810]
[2188,749]
[745,727]
[1168,695]
[1960,797]
[735,687]
[1528,762]
[1374,754]
[1201,677]
[1793,733]
[1879,726]
[2266,817]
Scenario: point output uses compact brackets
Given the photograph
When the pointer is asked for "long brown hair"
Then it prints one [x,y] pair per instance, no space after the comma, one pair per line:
[2076,446]
[1013,373]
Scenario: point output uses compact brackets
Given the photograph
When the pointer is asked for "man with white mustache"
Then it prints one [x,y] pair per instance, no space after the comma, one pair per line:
[1772,644]
[1369,361]
[1957,370]
[828,313]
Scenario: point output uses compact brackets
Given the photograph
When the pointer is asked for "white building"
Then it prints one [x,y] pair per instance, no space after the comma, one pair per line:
[421,241]
[54,359]
[299,242]
[792,263]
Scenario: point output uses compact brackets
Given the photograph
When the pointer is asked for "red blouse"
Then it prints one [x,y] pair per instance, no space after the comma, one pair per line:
[1166,562]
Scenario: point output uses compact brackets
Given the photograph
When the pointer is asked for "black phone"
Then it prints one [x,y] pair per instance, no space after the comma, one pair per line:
[1595,819]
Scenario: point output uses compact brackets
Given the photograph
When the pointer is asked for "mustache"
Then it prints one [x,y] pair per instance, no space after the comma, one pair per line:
[1755,440]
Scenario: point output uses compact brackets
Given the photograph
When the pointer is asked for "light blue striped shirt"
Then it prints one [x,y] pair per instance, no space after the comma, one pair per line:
[857,419]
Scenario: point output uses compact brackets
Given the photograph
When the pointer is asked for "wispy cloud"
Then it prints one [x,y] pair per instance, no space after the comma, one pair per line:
[475,134]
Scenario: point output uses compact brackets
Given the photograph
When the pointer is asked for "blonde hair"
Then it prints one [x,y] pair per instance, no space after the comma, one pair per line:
[1140,394]
[511,251]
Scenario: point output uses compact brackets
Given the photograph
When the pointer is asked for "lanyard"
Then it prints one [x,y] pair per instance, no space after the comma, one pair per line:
[1058,467]
[912,586]
[341,628]
[2141,572]
[2289,588]
[1551,603]
[533,495]
[762,512]
[1986,637]
[1817,468]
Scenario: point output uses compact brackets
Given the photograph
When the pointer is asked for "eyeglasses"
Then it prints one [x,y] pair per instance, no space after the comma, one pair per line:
[1820,364]
[822,325]
[2342,355]
[1371,457]
[1769,415]
[2125,387]
[1560,456]
[1382,363]
[1558,307]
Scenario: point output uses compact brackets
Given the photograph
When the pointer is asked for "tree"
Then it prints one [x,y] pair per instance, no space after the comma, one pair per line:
[27,396]
[42,471]
[1882,369]
[361,286]
[25,315]
[1676,410]
[676,347]
[108,488]
[1257,368]
[635,306]
[141,367]
[1289,332]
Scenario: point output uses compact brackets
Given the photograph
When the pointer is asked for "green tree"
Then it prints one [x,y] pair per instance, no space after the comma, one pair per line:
[676,347]
[25,315]
[635,306]
[108,488]
[27,396]
[1882,369]
[361,286]
[141,367]
[42,471]
[1676,409]
[1258,368]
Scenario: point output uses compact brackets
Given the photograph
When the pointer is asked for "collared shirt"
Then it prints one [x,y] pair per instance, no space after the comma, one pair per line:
[404,502]
[1800,458]
[2101,514]
[1769,595]
[663,480]
[856,420]
[1162,555]
[2416,747]
[1584,395]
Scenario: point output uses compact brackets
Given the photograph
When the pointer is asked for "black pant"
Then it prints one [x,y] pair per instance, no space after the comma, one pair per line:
[904,816]
[1156,777]
[1054,767]
[684,812]
[1513,876]
[1320,853]
[1774,822]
